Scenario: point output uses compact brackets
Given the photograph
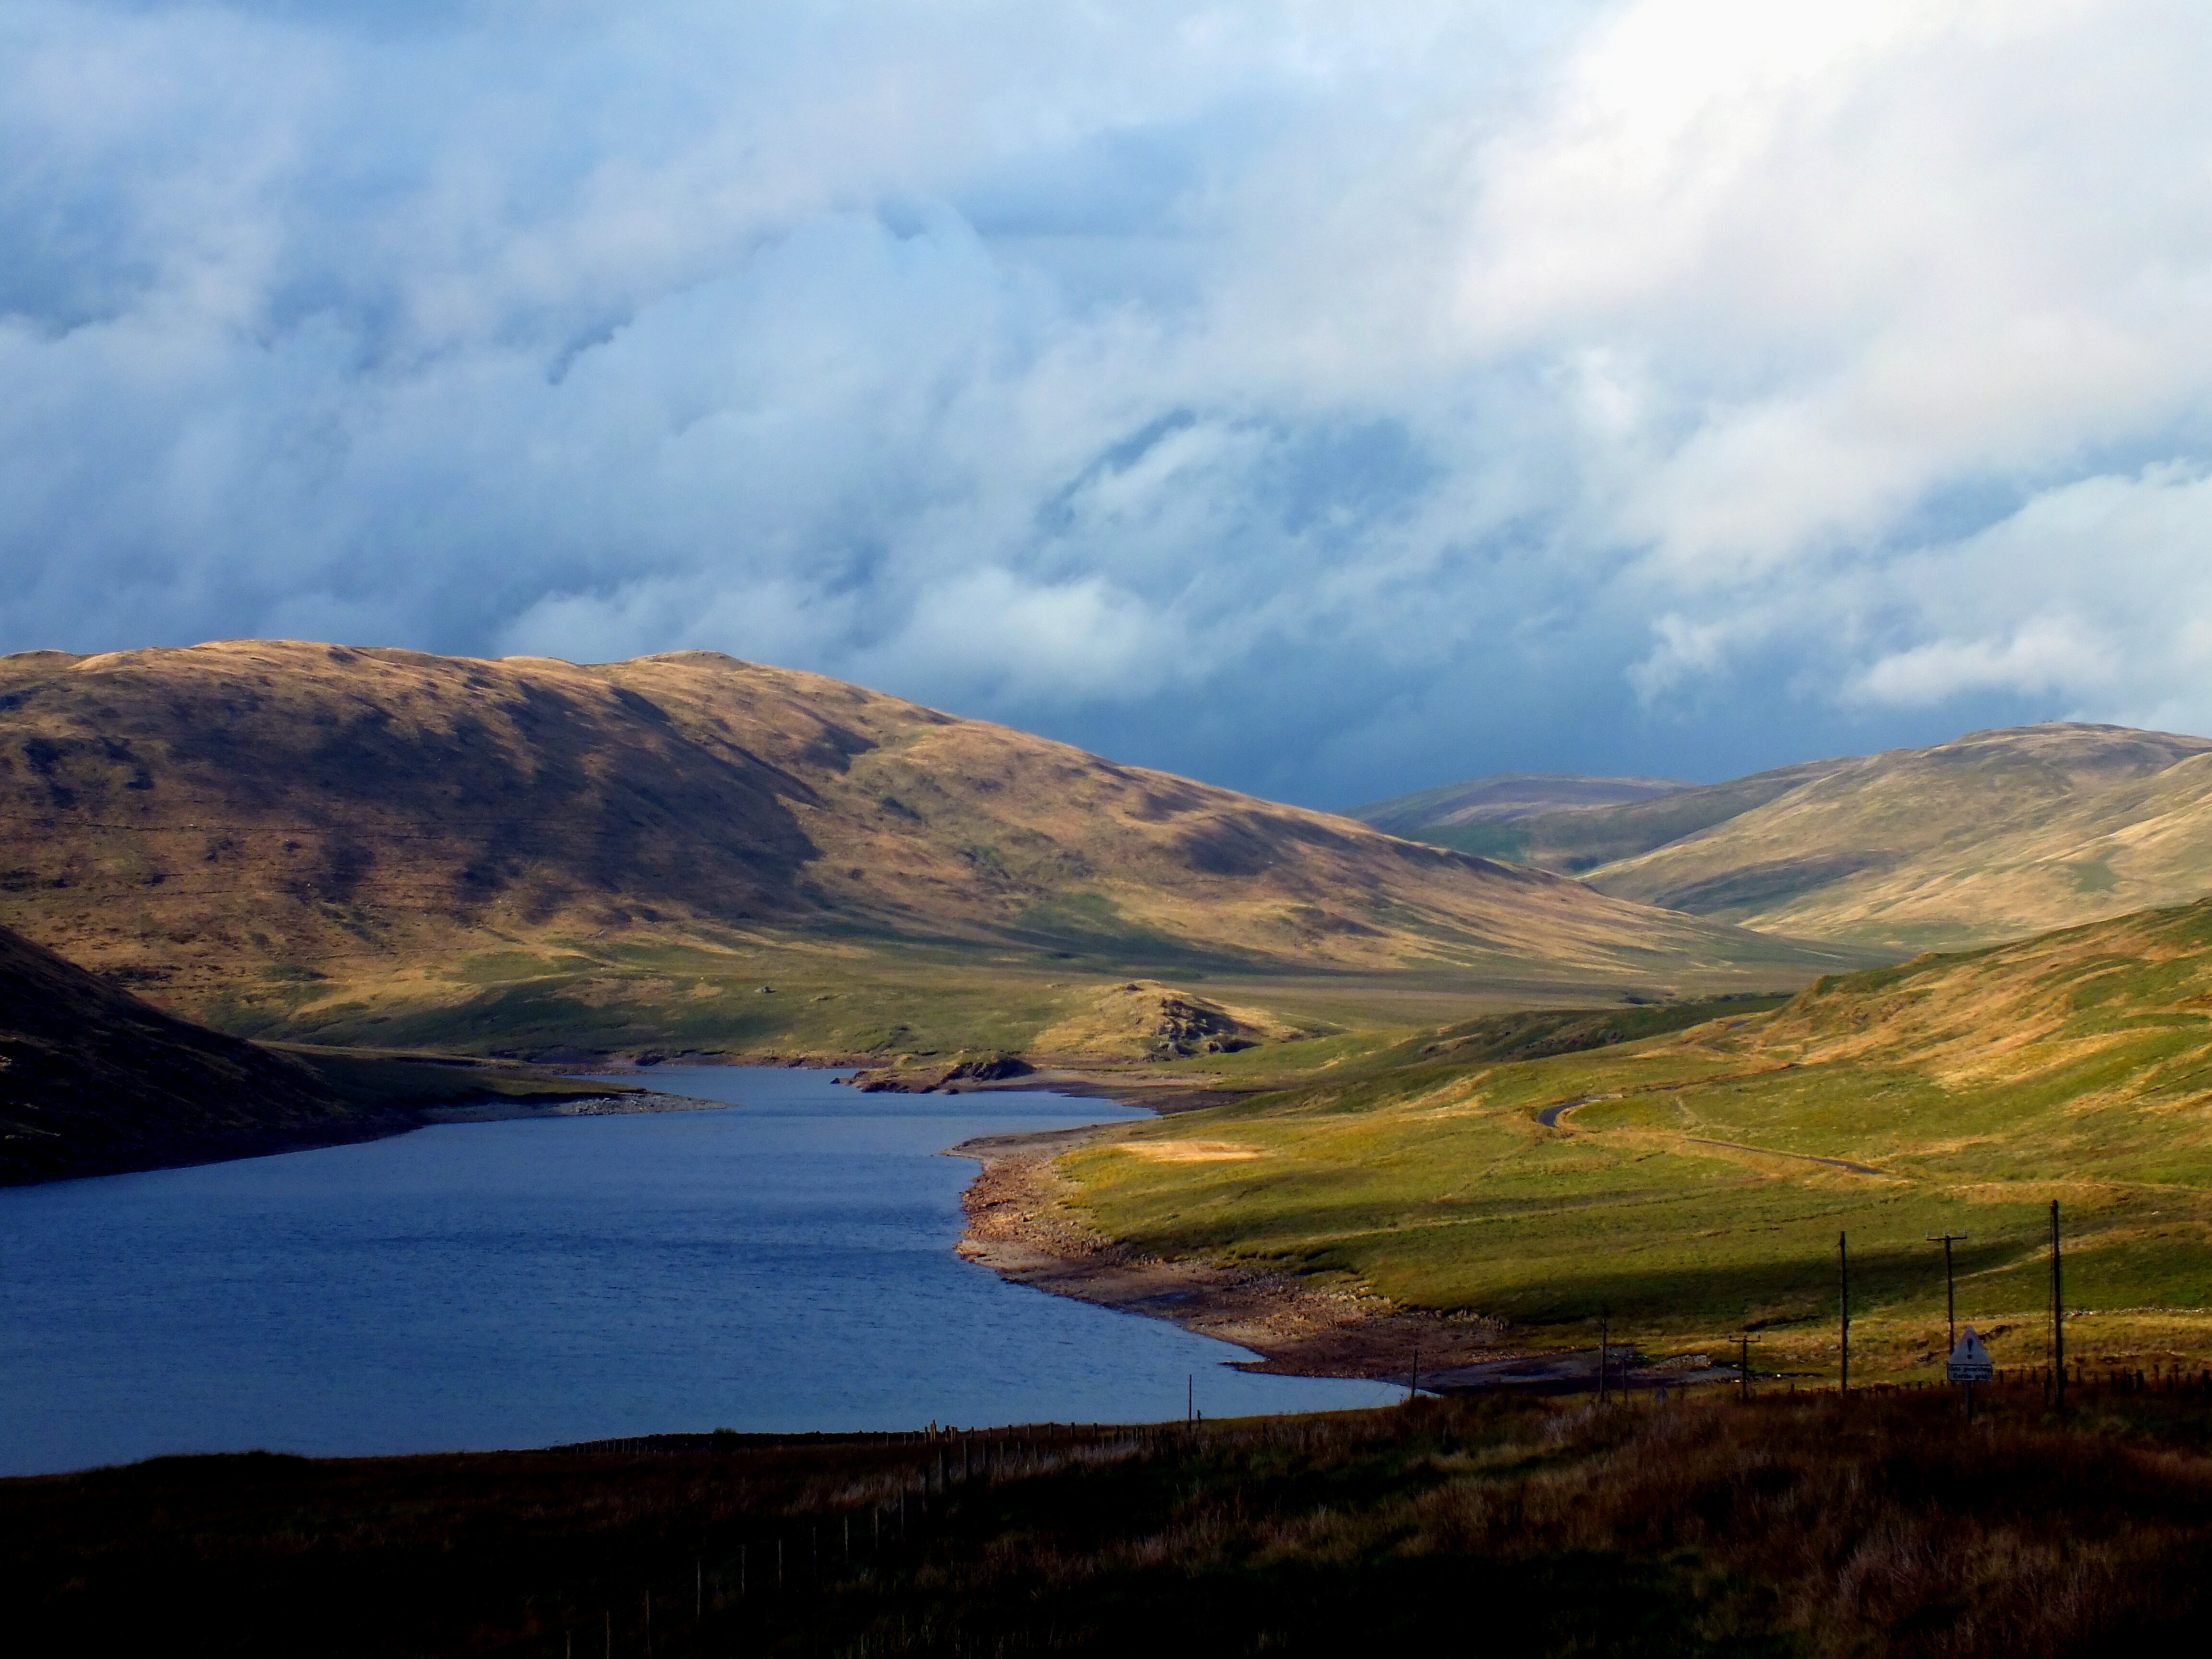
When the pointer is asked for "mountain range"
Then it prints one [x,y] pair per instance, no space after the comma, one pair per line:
[1995,835]
[353,845]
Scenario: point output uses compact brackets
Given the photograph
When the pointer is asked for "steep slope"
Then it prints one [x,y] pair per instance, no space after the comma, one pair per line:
[1995,835]
[92,1080]
[270,831]
[1573,823]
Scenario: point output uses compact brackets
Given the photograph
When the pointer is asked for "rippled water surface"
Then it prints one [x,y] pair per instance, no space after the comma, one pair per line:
[785,1264]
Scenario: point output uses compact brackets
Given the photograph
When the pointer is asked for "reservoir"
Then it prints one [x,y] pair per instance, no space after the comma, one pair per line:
[784,1265]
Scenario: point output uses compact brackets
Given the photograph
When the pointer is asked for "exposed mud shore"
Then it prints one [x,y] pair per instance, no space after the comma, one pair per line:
[1020,1226]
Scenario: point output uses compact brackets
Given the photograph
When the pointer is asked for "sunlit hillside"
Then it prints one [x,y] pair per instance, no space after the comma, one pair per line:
[695,851]
[1997,835]
[1696,1182]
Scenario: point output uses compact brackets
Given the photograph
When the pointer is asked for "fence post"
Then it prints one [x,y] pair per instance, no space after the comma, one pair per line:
[1844,1285]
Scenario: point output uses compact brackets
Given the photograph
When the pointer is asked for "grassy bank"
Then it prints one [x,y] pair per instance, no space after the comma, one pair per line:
[1701,1525]
[1677,1180]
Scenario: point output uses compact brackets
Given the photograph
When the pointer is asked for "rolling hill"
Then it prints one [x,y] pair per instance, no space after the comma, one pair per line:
[1695,1182]
[381,845]
[1998,835]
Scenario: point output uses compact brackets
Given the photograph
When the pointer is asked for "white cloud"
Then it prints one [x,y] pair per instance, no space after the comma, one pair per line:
[2049,654]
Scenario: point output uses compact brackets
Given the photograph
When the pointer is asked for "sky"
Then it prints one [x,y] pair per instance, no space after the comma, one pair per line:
[1327,401]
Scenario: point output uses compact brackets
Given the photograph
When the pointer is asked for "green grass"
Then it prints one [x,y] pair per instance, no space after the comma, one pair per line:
[1980,1086]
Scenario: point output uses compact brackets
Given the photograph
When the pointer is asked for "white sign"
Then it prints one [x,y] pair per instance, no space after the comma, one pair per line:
[1969,1360]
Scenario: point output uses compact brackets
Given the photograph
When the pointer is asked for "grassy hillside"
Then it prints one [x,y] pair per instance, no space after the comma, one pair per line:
[93,1081]
[693,852]
[1702,1527]
[1998,835]
[1995,835]
[1570,824]
[1680,1180]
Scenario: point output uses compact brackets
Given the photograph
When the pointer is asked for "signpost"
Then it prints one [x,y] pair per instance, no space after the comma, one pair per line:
[1970,1364]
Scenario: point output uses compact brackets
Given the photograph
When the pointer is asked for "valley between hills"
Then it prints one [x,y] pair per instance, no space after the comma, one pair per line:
[1419,1095]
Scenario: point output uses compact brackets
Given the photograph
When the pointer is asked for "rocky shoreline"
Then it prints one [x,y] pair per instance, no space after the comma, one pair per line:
[1021,1227]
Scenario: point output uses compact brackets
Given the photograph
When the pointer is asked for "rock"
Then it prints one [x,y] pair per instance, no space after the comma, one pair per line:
[932,1080]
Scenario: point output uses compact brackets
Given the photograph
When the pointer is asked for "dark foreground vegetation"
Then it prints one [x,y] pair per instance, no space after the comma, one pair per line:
[1785,1525]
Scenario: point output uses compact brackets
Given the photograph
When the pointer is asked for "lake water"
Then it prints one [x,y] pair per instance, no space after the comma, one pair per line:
[785,1265]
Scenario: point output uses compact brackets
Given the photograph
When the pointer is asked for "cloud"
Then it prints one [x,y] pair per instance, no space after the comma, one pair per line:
[2048,654]
[1328,401]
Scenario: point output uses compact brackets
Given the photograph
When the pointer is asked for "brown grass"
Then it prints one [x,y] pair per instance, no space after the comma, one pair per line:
[1805,1525]
[281,836]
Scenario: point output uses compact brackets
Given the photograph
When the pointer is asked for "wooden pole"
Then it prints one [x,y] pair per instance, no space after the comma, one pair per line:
[1947,1238]
[2057,1312]
[1604,1336]
[1844,1283]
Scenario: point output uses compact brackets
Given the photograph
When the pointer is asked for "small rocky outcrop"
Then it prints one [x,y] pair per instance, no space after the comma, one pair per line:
[1142,1019]
[943,1078]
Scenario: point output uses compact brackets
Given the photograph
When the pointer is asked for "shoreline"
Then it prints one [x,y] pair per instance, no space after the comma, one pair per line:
[1131,1084]
[630,1105]
[1019,1225]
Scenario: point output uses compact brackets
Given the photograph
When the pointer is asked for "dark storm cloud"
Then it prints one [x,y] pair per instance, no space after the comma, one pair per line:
[1324,402]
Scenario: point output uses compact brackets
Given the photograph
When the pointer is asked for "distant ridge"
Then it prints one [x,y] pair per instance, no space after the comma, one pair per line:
[1505,798]
[1997,835]
[285,836]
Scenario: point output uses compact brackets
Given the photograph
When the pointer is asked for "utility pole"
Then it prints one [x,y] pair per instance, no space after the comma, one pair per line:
[2057,1313]
[1844,1283]
[1947,1238]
